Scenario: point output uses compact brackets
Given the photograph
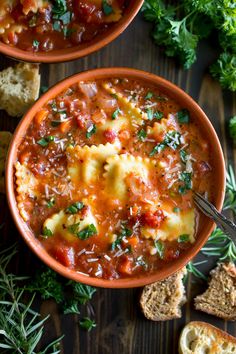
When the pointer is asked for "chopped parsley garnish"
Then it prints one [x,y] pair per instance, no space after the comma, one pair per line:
[158,115]
[160,248]
[35,44]
[142,134]
[183,238]
[232,128]
[47,232]
[183,116]
[66,18]
[87,323]
[114,95]
[116,113]
[186,178]
[91,130]
[149,112]
[176,210]
[125,232]
[106,8]
[74,208]
[57,26]
[148,95]
[172,139]
[183,155]
[46,140]
[87,232]
[59,8]
[51,203]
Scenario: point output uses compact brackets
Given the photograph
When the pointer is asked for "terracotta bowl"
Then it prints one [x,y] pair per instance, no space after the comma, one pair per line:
[76,52]
[206,225]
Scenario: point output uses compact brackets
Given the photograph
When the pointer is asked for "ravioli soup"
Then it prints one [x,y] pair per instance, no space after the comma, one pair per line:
[105,175]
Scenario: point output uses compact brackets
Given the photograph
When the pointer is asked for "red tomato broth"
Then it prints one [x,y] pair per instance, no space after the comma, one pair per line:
[49,166]
[42,28]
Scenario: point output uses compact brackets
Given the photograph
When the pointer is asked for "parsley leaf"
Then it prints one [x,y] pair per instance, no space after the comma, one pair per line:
[106,8]
[186,178]
[116,113]
[232,128]
[125,232]
[183,238]
[81,292]
[172,139]
[46,140]
[83,234]
[51,203]
[74,208]
[160,247]
[148,95]
[47,232]
[183,116]
[87,323]
[91,130]
[35,44]
[142,134]
[183,155]
[225,71]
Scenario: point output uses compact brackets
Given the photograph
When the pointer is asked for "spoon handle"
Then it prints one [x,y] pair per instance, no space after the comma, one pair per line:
[209,210]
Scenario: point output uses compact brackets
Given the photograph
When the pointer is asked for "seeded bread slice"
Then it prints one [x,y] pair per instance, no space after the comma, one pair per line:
[162,300]
[19,88]
[200,337]
[220,297]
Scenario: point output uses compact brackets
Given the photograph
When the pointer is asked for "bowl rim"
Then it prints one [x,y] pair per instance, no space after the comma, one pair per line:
[28,235]
[69,54]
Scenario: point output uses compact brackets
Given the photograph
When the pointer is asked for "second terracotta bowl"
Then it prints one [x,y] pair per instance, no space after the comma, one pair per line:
[76,52]
[206,225]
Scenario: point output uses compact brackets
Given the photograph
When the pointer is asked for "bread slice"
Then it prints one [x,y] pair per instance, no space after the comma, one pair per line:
[202,338]
[220,297]
[19,88]
[162,300]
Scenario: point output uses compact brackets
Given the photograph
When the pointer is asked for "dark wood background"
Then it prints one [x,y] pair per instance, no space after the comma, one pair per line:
[121,328]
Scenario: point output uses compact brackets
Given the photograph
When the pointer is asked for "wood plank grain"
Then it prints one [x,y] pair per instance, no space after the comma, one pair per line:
[121,328]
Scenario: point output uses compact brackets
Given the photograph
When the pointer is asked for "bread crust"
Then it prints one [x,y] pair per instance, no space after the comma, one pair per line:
[216,337]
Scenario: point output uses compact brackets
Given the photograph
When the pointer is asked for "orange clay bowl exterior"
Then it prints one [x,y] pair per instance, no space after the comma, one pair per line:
[206,226]
[76,52]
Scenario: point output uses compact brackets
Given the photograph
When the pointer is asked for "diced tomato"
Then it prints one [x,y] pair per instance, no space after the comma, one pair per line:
[64,254]
[65,126]
[124,135]
[89,13]
[153,219]
[110,135]
[133,241]
[125,266]
[82,119]
[40,116]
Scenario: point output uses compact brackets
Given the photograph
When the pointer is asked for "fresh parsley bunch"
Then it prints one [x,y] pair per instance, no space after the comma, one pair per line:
[179,29]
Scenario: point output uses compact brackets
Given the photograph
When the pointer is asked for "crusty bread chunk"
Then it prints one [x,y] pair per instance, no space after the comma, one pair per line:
[162,300]
[19,88]
[220,297]
[200,337]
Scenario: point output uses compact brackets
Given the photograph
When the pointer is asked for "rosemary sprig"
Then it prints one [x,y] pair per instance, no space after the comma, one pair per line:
[21,328]
[230,198]
[191,268]
[220,245]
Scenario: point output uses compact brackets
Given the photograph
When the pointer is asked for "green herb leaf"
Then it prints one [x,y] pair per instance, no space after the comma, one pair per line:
[74,208]
[142,134]
[141,262]
[91,130]
[57,26]
[87,232]
[116,113]
[106,8]
[46,140]
[51,203]
[47,232]
[81,292]
[183,155]
[183,116]
[176,210]
[148,95]
[224,70]
[125,232]
[158,115]
[185,177]
[183,238]
[35,44]
[172,139]
[191,268]
[232,128]
[71,307]
[149,112]
[87,323]
[160,247]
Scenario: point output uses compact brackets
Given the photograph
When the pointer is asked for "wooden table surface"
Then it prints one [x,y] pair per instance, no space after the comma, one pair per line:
[121,328]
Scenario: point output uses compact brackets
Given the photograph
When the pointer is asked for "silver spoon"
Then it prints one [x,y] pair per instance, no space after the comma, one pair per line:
[209,210]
